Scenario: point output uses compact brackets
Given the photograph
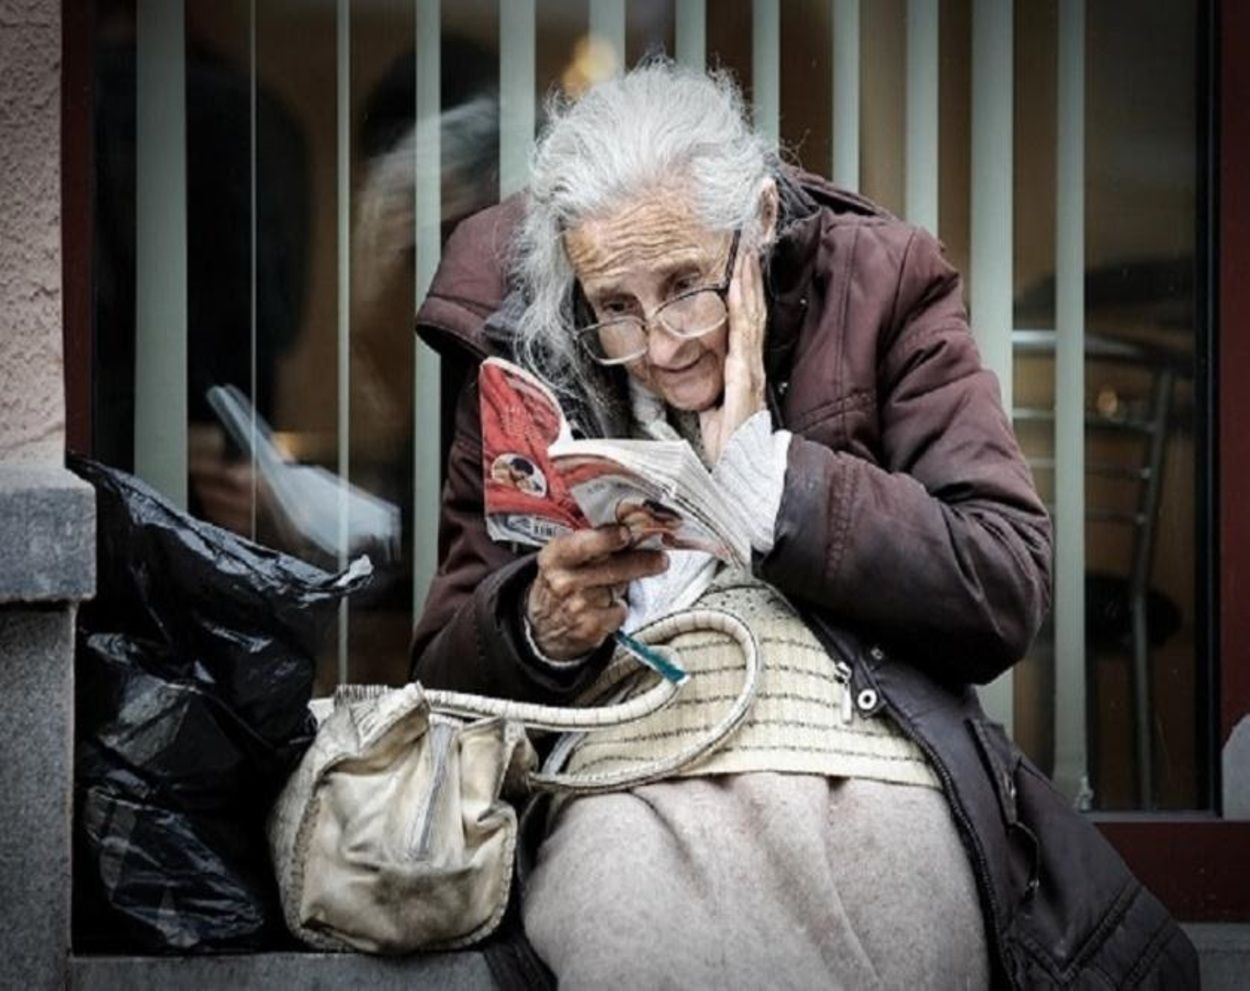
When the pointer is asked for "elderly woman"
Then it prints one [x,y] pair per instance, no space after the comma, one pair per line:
[669,278]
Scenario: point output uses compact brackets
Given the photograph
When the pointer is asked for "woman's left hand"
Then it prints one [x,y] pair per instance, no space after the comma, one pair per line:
[744,360]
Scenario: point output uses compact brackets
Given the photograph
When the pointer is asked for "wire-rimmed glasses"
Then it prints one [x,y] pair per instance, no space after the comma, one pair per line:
[687,315]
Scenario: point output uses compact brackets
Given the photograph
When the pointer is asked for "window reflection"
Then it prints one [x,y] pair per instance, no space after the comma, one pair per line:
[265,248]
[1142,335]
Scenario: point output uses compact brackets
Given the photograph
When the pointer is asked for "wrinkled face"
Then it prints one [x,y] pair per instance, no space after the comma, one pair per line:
[632,260]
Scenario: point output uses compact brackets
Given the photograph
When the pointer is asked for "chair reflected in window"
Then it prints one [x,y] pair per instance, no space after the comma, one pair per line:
[1130,406]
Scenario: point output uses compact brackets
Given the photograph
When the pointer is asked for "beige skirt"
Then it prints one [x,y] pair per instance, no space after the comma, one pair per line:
[758,880]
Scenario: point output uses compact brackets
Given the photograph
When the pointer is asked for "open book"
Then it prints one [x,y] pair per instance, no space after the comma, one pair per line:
[541,482]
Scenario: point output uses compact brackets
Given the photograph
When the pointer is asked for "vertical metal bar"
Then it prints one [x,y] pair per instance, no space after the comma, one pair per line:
[846,93]
[765,67]
[252,228]
[607,24]
[516,93]
[426,384]
[160,430]
[1139,586]
[991,261]
[343,91]
[691,31]
[1071,762]
[922,113]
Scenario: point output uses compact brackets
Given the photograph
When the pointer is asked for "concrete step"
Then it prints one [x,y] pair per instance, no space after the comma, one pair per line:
[1223,953]
[466,971]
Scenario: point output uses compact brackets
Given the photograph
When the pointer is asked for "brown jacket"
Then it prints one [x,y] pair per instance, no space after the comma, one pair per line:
[908,511]
[909,533]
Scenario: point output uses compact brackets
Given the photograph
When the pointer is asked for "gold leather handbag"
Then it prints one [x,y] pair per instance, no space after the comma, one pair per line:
[396,833]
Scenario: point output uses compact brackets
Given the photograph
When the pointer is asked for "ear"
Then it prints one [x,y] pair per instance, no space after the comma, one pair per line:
[767,210]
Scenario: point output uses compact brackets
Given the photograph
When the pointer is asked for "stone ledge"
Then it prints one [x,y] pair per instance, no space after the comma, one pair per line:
[465,971]
[1223,949]
[1223,954]
[47,535]
[36,720]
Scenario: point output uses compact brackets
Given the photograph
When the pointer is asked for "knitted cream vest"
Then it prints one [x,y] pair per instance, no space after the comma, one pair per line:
[802,721]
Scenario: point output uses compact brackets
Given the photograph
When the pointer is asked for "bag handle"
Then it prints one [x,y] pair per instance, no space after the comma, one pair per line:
[568,719]
[558,719]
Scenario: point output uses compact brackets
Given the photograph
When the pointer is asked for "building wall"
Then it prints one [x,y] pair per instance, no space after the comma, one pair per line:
[32,401]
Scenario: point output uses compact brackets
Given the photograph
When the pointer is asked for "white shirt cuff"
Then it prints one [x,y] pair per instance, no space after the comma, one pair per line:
[752,474]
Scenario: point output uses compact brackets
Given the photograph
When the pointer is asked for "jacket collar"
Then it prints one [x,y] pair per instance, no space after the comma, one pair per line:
[471,307]
[790,267]
[470,287]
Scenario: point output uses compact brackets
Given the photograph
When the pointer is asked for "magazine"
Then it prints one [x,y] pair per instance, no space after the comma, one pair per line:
[540,481]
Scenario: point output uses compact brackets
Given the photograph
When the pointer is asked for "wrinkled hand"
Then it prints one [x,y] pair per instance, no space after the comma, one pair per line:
[744,361]
[576,600]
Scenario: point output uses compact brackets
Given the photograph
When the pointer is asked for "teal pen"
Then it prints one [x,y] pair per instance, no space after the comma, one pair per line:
[653,659]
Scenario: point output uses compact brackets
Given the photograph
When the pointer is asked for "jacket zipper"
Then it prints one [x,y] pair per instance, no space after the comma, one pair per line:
[948,784]
[842,672]
[980,865]
[441,735]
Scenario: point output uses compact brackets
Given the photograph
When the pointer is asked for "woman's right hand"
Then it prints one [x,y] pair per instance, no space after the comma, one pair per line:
[577,599]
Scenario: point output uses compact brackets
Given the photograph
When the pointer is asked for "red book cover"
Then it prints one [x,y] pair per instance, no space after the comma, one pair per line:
[526,499]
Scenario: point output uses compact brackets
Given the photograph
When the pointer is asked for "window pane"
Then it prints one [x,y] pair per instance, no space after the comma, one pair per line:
[1144,607]
[306,246]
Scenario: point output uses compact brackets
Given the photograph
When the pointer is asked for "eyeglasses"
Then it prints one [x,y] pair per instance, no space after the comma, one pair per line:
[687,315]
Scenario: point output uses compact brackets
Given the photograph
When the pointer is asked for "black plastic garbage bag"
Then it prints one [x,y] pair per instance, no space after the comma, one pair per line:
[194,667]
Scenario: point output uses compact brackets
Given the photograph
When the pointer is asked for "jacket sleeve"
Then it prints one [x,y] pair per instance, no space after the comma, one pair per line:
[943,547]
[469,636]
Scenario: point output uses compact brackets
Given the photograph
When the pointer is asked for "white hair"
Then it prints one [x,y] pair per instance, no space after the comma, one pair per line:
[657,126]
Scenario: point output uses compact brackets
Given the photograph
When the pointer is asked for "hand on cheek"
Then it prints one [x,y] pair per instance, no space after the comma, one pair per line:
[744,360]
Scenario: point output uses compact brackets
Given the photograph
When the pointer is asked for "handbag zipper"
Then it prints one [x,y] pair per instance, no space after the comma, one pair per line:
[441,735]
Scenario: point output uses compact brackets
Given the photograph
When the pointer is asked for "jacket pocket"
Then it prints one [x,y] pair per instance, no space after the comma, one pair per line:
[1071,888]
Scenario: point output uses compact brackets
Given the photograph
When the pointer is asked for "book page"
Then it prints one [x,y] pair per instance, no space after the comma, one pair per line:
[608,492]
